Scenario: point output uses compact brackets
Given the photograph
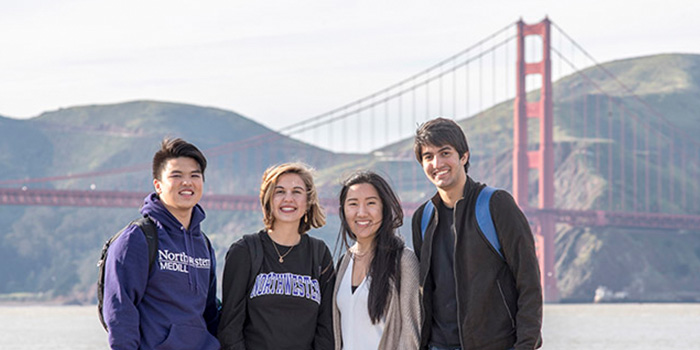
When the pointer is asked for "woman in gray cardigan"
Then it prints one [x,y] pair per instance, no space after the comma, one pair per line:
[376,302]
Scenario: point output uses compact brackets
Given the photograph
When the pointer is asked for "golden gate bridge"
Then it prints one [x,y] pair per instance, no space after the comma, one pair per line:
[644,170]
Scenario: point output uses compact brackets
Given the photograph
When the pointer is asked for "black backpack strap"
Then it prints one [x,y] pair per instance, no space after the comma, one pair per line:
[256,256]
[340,260]
[148,227]
[319,249]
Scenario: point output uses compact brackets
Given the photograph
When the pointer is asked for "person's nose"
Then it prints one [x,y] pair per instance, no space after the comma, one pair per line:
[435,162]
[362,210]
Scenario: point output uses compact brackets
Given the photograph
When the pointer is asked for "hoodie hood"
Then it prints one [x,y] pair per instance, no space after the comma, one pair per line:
[154,208]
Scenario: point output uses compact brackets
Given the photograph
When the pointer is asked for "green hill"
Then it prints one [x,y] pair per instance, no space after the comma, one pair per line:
[53,250]
[659,90]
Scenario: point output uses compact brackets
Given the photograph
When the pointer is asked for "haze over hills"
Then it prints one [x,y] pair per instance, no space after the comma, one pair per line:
[53,250]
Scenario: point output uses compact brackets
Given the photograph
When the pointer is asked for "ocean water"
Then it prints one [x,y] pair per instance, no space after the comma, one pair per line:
[621,326]
[566,326]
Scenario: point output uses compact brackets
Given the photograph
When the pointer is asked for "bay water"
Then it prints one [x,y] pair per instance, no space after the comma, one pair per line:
[566,326]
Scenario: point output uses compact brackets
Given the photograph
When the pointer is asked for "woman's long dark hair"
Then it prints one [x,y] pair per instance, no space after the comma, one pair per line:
[388,245]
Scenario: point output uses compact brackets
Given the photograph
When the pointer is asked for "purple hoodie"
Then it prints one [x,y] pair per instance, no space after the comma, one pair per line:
[175,306]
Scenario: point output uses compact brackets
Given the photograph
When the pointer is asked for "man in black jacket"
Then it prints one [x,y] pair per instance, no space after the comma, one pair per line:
[472,297]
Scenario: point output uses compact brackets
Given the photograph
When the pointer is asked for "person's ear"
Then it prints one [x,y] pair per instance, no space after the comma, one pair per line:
[157,186]
[465,158]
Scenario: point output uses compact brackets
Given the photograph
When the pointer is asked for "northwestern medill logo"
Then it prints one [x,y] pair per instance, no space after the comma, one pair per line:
[180,262]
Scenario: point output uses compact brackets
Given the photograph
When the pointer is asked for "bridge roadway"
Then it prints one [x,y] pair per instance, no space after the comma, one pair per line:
[119,199]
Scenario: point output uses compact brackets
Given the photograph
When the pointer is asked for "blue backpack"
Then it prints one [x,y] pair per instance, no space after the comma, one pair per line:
[483,218]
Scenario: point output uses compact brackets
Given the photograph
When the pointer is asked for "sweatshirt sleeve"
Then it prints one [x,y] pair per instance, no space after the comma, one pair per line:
[518,246]
[126,277]
[211,313]
[234,288]
[410,302]
[324,326]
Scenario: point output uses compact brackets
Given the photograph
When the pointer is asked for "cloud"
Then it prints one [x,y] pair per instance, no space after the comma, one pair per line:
[280,61]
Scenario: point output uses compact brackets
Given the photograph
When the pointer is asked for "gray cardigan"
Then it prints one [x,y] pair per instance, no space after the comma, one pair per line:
[403,317]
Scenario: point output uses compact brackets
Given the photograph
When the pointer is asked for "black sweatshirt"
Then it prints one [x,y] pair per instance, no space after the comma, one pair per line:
[445,332]
[288,306]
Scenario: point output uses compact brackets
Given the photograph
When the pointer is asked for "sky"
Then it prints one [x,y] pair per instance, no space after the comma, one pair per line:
[278,62]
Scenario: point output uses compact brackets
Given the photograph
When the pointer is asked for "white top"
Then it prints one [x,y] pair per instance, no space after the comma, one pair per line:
[358,332]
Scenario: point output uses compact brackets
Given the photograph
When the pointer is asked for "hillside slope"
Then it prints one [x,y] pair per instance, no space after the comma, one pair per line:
[53,250]
[662,91]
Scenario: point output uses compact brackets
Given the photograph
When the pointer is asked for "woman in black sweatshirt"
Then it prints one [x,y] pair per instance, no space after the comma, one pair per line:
[278,282]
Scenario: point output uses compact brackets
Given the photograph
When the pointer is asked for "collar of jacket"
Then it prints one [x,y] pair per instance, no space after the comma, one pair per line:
[469,185]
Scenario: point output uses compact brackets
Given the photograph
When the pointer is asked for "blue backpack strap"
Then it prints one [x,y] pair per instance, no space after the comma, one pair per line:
[425,219]
[483,217]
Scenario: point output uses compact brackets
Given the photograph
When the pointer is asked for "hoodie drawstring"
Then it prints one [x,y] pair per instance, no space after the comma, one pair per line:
[192,273]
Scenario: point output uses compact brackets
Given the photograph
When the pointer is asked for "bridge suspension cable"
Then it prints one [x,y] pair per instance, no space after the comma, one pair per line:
[645,162]
[635,181]
[411,100]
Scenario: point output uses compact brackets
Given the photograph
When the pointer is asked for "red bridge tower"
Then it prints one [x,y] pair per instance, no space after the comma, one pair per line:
[541,159]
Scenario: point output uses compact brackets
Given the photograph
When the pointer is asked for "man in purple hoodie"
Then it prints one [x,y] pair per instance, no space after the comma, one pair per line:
[171,305]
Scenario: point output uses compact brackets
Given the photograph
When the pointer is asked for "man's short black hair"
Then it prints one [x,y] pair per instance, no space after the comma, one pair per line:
[440,132]
[175,148]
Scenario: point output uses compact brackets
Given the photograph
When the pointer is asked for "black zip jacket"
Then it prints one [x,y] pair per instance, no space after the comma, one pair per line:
[499,302]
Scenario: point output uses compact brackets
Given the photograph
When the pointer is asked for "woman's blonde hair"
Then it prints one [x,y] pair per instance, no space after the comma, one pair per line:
[314,216]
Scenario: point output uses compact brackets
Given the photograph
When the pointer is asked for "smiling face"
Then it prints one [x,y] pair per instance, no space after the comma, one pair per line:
[363,212]
[444,167]
[289,199]
[179,186]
